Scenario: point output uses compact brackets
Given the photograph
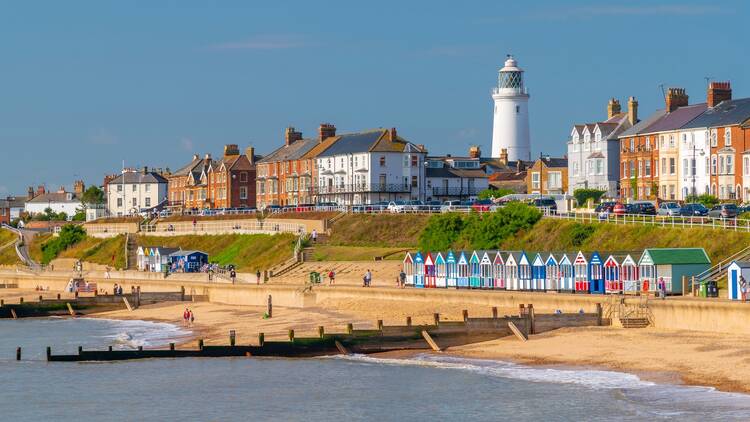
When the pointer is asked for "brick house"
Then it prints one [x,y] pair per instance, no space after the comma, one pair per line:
[548,176]
[4,211]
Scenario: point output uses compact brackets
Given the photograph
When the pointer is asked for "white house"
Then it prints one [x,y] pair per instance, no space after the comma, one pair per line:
[135,191]
[451,178]
[694,161]
[60,201]
[368,167]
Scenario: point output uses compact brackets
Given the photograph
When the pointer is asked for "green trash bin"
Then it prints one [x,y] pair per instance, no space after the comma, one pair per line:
[314,277]
[703,289]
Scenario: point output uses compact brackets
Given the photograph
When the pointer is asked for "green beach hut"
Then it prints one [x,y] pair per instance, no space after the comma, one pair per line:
[670,265]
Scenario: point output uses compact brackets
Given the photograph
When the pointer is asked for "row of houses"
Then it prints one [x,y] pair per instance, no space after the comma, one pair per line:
[681,150]
[579,272]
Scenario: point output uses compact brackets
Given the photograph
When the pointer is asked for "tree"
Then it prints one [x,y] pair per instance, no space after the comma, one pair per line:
[494,193]
[634,183]
[705,199]
[92,196]
[583,195]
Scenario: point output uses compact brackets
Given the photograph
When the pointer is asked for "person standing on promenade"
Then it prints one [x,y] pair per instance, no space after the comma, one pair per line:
[257,277]
[331,277]
[402,279]
[662,288]
[106,273]
[314,235]
[743,288]
[233,275]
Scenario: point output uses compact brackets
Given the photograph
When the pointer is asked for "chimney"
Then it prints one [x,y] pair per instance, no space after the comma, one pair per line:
[79,187]
[30,193]
[231,150]
[40,190]
[504,157]
[474,151]
[632,111]
[676,98]
[291,135]
[208,157]
[250,153]
[392,135]
[613,108]
[145,169]
[61,190]
[519,166]
[718,92]
[195,157]
[325,131]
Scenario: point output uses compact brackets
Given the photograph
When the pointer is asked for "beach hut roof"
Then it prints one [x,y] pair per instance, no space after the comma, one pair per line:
[462,258]
[408,257]
[628,260]
[538,260]
[741,264]
[439,259]
[418,258]
[450,257]
[595,258]
[523,259]
[564,260]
[428,259]
[666,256]
[581,258]
[486,258]
[499,258]
[551,259]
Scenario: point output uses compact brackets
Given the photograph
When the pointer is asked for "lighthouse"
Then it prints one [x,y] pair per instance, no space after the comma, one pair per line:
[510,128]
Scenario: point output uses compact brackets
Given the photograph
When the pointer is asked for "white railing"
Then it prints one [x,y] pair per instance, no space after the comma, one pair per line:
[735,224]
[222,227]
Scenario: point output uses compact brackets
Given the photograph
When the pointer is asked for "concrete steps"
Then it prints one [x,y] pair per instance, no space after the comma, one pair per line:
[634,322]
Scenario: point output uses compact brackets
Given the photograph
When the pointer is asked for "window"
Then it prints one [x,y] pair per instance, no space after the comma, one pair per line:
[203,194]
[632,144]
[713,169]
[554,180]
[406,161]
[535,180]
[671,191]
[243,176]
[632,169]
[714,141]
[575,168]
[648,143]
[119,202]
[730,168]
[663,191]
[518,109]
[671,141]
[599,166]
[119,188]
[647,168]
[147,188]
[414,160]
[640,167]
[727,136]
[135,202]
[663,165]
[135,187]
[148,201]
[685,169]
[414,182]
[745,166]
[382,161]
[672,169]
[722,168]
[243,192]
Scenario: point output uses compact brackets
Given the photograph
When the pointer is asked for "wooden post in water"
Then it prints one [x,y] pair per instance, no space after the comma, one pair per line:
[265,275]
[171,346]
[20,300]
[532,328]
[200,344]
[261,339]
[182,293]
[321,331]
[49,353]
[436,318]
[349,328]
[291,336]
[380,325]
[138,297]
[269,307]
[2,302]
[140,348]
[13,313]
[521,310]
[18,353]
[408,321]
[58,296]
[232,337]
[599,314]
[70,309]
[41,298]
[109,349]
[494,312]
[466,315]
[80,350]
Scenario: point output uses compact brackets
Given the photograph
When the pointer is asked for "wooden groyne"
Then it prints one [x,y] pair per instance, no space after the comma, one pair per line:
[436,336]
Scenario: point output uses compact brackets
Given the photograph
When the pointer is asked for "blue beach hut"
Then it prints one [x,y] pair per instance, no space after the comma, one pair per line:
[551,273]
[189,261]
[538,273]
[462,266]
[440,271]
[418,270]
[451,271]
[596,273]
[474,271]
[735,270]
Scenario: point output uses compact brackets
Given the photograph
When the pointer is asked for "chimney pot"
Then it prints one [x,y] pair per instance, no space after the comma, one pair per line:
[474,151]
[613,108]
[326,130]
[231,150]
[195,157]
[291,136]
[718,92]
[208,157]
[392,135]
[676,98]
[250,154]
[503,156]
[632,111]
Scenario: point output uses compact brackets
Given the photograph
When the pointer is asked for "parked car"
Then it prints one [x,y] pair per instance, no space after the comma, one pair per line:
[723,211]
[414,205]
[619,209]
[670,209]
[396,206]
[546,203]
[641,208]
[449,206]
[433,206]
[607,206]
[482,205]
[693,210]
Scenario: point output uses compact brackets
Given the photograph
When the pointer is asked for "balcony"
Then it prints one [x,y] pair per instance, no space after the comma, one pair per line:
[455,191]
[363,187]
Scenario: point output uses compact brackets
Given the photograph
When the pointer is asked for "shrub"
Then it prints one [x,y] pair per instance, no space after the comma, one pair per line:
[705,199]
[494,193]
[580,233]
[583,195]
[442,231]
[69,236]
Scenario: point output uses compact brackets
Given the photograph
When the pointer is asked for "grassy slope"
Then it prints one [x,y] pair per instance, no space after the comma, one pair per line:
[313,215]
[554,235]
[353,253]
[381,230]
[99,251]
[8,255]
[35,248]
[247,252]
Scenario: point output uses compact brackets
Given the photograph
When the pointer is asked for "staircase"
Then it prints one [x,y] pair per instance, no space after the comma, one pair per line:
[630,315]
[131,252]
[634,322]
[308,253]
[719,270]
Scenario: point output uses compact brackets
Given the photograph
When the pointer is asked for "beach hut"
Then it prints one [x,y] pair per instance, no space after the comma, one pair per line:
[629,275]
[440,271]
[499,264]
[474,271]
[418,270]
[408,267]
[670,265]
[142,258]
[612,281]
[160,260]
[429,271]
[188,261]
[581,268]
[451,272]
[486,273]
[596,273]
[567,275]
[462,280]
[551,273]
[735,270]
[538,273]
[524,271]
[511,271]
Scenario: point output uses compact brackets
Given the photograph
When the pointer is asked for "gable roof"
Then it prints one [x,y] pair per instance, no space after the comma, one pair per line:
[643,124]
[676,119]
[293,151]
[133,178]
[55,197]
[726,113]
[554,162]
[449,172]
[741,264]
[661,256]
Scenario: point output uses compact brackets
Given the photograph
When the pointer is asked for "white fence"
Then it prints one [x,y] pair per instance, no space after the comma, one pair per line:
[221,227]
[734,224]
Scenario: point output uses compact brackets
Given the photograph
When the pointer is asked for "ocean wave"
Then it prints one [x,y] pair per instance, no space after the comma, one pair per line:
[131,334]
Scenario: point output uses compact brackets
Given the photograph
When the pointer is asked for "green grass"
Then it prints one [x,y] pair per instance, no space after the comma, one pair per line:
[248,252]
[110,251]
[560,235]
[8,255]
[353,253]
[379,230]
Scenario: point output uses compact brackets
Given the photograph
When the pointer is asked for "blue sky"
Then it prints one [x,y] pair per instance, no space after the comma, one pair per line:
[87,84]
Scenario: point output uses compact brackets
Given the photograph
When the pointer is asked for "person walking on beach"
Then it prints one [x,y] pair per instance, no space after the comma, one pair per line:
[331,277]
[743,288]
[314,235]
[185,317]
[106,273]
[402,279]
[233,275]
[192,317]
[257,277]
[114,290]
[368,278]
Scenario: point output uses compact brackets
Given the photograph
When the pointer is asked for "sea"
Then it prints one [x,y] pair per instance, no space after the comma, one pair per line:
[354,388]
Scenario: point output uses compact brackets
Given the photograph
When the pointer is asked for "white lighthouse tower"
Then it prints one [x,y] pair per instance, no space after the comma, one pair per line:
[510,129]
